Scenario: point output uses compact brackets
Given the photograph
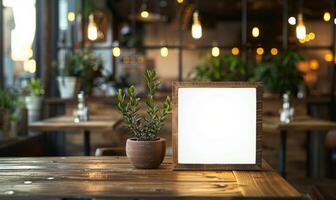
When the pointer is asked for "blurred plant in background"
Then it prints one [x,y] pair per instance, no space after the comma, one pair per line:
[279,73]
[34,87]
[229,68]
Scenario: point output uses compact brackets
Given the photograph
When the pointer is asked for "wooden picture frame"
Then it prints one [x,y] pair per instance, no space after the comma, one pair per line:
[256,89]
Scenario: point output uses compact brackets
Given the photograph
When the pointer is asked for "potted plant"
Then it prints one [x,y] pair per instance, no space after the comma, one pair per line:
[67,79]
[229,68]
[33,97]
[279,73]
[145,150]
[11,107]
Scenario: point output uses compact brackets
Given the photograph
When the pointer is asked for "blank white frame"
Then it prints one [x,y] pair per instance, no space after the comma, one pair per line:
[216,127]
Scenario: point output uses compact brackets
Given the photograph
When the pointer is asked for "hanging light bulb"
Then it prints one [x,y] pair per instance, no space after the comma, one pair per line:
[300,28]
[179,1]
[292,20]
[143,11]
[326,16]
[164,51]
[71,16]
[235,51]
[255,32]
[116,50]
[92,29]
[215,51]
[196,28]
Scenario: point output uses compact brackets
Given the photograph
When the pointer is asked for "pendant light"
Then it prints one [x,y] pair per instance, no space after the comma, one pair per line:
[116,52]
[143,11]
[300,27]
[196,28]
[164,51]
[92,28]
[215,51]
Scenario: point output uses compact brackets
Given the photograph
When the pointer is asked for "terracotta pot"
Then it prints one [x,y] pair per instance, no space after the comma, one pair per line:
[145,154]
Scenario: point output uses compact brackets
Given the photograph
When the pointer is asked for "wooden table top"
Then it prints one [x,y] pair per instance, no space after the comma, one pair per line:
[114,178]
[300,123]
[67,123]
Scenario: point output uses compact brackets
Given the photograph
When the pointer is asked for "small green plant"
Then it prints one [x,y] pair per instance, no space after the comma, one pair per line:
[229,68]
[10,101]
[144,128]
[34,87]
[279,73]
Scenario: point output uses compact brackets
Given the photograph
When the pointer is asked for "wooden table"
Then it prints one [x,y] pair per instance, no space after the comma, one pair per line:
[66,123]
[301,124]
[114,178]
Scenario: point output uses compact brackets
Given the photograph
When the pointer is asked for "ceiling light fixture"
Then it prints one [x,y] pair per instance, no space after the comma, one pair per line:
[300,28]
[255,32]
[215,51]
[326,16]
[164,51]
[292,20]
[196,28]
[116,52]
[92,28]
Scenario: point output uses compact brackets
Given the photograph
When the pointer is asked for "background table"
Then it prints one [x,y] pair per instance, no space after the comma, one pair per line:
[66,123]
[301,124]
[114,178]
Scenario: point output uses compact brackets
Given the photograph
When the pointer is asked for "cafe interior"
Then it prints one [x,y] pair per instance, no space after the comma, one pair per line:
[137,99]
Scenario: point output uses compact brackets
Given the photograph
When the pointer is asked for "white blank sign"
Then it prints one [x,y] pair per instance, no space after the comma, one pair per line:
[216,125]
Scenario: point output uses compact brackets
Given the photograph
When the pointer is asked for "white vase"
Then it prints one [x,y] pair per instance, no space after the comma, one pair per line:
[33,104]
[67,86]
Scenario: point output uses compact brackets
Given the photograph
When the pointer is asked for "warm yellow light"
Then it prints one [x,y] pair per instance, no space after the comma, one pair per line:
[255,32]
[29,66]
[116,51]
[302,41]
[328,57]
[307,39]
[274,51]
[30,53]
[260,51]
[311,36]
[71,16]
[92,29]
[215,51]
[235,51]
[292,20]
[314,64]
[196,28]
[164,51]
[144,14]
[300,28]
[326,16]
[179,1]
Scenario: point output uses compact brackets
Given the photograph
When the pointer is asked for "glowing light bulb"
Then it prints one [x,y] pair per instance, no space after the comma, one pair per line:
[260,51]
[215,51]
[314,64]
[300,28]
[328,57]
[92,29]
[29,66]
[71,16]
[255,32]
[144,14]
[196,28]
[116,51]
[179,1]
[274,51]
[311,36]
[326,17]
[235,51]
[292,20]
[164,51]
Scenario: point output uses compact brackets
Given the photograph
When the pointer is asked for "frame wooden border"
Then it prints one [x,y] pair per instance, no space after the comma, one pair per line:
[259,107]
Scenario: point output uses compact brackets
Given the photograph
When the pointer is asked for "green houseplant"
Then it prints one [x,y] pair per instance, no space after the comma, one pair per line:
[82,66]
[146,149]
[279,73]
[229,68]
[34,92]
[10,103]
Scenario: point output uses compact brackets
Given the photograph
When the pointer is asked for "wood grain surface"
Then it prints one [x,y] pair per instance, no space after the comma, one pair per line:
[67,123]
[115,178]
[299,124]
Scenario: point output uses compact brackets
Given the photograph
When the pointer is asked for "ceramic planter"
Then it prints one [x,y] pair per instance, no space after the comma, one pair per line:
[33,104]
[145,154]
[67,86]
